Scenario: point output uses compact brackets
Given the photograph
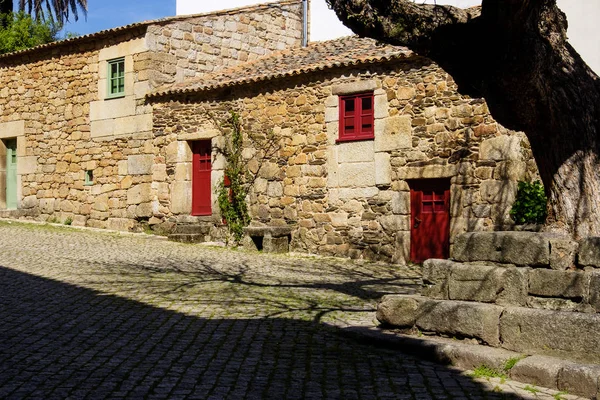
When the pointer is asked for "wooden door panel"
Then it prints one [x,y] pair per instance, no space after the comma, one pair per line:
[430,220]
[201,178]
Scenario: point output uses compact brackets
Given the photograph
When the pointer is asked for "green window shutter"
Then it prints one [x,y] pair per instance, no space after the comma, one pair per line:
[116,78]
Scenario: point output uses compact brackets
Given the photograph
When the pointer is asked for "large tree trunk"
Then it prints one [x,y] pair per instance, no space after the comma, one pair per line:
[513,53]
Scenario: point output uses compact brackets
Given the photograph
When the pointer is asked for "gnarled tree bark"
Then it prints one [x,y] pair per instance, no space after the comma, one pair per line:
[514,54]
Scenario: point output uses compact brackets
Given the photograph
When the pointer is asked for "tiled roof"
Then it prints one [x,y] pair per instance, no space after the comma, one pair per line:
[318,56]
[160,21]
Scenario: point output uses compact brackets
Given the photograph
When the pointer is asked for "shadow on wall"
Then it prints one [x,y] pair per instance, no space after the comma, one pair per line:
[60,341]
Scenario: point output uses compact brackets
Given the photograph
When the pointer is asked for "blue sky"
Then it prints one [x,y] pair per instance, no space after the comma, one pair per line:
[105,14]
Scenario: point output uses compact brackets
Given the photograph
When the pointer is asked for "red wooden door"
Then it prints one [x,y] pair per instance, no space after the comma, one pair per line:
[430,219]
[201,185]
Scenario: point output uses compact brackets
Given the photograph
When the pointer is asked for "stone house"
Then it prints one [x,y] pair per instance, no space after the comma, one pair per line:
[377,150]
[75,129]
[377,154]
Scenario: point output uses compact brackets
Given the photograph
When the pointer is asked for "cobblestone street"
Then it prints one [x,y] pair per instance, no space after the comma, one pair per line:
[96,315]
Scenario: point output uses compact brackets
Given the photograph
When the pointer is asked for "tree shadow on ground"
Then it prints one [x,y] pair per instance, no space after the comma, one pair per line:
[63,341]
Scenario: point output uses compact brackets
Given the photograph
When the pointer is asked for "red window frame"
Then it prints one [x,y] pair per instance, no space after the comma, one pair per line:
[357,117]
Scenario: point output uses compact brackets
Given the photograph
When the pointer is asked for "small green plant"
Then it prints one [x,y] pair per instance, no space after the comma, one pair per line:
[483,371]
[559,395]
[530,204]
[531,389]
[511,362]
[68,221]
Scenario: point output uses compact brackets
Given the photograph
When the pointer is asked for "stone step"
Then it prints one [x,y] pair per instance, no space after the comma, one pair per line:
[187,237]
[577,291]
[196,229]
[564,334]
[519,248]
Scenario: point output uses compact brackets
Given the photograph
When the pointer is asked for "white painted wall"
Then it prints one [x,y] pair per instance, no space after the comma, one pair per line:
[584,31]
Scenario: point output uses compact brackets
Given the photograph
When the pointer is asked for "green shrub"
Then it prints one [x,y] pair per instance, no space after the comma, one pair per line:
[530,205]
[18,31]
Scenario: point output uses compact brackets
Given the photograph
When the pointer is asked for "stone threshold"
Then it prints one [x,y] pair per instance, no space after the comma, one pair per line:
[549,372]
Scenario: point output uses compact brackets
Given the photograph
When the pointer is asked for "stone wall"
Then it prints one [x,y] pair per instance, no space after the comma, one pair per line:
[352,199]
[186,48]
[68,128]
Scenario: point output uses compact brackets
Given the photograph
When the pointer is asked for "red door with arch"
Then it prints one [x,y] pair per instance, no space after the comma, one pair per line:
[201,184]
[430,219]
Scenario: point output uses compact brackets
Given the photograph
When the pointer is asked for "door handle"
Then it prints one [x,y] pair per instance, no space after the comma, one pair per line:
[417,222]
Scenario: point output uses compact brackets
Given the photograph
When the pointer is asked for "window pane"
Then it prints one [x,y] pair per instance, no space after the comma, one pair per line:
[427,196]
[367,124]
[367,104]
[349,106]
[348,125]
[114,70]
[427,207]
[439,206]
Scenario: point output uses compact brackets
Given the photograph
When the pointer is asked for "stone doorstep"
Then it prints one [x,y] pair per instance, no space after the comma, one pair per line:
[530,331]
[550,372]
[187,237]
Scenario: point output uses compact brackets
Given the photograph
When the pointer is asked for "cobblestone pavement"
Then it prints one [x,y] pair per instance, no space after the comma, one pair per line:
[95,315]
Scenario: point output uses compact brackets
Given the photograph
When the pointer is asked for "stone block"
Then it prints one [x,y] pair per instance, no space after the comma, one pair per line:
[567,284]
[120,224]
[579,379]
[181,197]
[589,252]
[113,108]
[141,193]
[563,251]
[395,223]
[539,370]
[498,192]
[393,133]
[487,284]
[474,283]
[436,273]
[351,152]
[276,244]
[520,248]
[144,210]
[47,206]
[27,165]
[511,170]
[554,333]
[501,148]
[140,164]
[427,172]
[594,293]
[400,203]
[459,318]
[399,310]
[178,152]
[356,174]
[383,169]
[275,189]
[354,87]
[357,193]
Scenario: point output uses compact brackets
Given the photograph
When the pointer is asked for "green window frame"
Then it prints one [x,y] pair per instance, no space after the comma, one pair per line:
[89,178]
[116,78]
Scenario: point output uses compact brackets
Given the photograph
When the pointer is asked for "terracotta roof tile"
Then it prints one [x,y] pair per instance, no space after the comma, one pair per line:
[346,51]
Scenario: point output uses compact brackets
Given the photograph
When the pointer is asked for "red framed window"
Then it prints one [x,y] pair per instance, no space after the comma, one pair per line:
[357,117]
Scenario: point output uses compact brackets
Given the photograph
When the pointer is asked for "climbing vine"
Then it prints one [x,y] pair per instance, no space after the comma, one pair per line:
[232,190]
[238,180]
